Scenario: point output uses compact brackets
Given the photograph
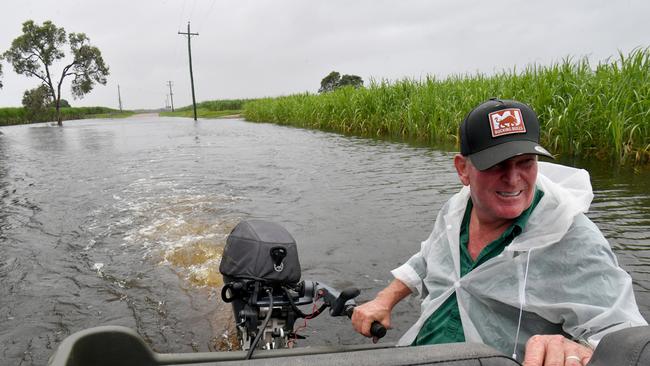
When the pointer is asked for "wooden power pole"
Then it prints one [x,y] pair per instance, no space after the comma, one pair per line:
[171,95]
[189,51]
[119,97]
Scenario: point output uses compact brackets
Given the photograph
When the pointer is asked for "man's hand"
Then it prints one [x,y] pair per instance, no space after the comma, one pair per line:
[364,315]
[379,309]
[555,350]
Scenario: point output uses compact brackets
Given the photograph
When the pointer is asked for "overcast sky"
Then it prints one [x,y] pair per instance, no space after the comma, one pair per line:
[248,49]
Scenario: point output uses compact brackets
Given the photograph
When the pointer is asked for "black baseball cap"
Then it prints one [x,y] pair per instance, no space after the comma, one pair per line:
[498,130]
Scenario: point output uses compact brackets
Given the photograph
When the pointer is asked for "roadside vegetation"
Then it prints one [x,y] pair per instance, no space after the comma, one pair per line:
[20,115]
[210,109]
[586,110]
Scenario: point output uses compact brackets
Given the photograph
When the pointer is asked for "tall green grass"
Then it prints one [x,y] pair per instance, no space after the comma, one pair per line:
[16,116]
[12,116]
[201,113]
[598,111]
[218,105]
[210,109]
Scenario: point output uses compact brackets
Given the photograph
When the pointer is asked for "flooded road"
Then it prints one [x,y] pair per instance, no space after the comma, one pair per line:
[123,222]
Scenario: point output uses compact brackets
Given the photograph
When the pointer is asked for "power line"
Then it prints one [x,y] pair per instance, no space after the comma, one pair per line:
[182,14]
[192,10]
[207,14]
[189,51]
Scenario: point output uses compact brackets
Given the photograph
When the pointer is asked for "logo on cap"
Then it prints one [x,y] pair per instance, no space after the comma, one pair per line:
[506,122]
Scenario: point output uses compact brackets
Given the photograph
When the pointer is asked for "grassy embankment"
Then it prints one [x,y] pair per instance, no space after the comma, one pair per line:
[17,116]
[585,111]
[210,109]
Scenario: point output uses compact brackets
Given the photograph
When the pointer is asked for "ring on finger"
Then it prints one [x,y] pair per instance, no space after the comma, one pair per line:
[574,358]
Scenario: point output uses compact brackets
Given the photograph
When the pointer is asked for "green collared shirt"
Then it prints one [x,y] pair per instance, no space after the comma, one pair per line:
[444,325]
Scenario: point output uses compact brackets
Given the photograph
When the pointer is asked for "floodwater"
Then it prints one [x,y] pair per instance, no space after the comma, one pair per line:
[123,222]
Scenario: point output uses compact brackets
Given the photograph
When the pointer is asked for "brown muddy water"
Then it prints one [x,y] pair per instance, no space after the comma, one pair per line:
[123,222]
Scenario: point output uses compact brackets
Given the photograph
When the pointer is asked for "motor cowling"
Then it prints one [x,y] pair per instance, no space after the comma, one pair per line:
[260,251]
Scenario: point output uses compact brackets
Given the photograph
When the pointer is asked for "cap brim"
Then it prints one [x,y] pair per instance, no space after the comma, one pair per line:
[491,156]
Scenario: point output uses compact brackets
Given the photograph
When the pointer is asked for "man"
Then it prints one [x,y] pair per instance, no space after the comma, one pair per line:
[512,261]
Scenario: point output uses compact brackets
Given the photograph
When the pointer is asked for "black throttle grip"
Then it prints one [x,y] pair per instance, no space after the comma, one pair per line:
[377,329]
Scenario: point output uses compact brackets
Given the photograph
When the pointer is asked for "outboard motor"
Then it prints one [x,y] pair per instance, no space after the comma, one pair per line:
[261,273]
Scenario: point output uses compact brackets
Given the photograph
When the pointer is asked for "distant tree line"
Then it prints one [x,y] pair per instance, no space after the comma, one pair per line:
[19,115]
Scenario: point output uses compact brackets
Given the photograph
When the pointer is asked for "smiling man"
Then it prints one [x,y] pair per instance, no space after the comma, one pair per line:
[512,261]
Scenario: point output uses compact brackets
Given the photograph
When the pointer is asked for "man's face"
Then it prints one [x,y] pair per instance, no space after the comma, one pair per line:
[503,191]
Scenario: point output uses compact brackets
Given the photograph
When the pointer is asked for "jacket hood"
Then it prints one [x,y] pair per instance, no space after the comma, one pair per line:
[567,193]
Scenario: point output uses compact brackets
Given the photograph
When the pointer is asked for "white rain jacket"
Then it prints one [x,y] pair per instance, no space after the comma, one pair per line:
[560,271]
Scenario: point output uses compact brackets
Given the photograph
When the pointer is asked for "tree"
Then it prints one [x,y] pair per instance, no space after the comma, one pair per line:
[334,80]
[35,102]
[329,82]
[63,104]
[34,52]
[351,80]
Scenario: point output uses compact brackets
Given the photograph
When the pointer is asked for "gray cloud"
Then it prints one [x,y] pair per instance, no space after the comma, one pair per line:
[266,48]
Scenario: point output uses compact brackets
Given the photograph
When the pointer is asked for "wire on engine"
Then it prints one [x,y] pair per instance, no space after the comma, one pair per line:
[294,335]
